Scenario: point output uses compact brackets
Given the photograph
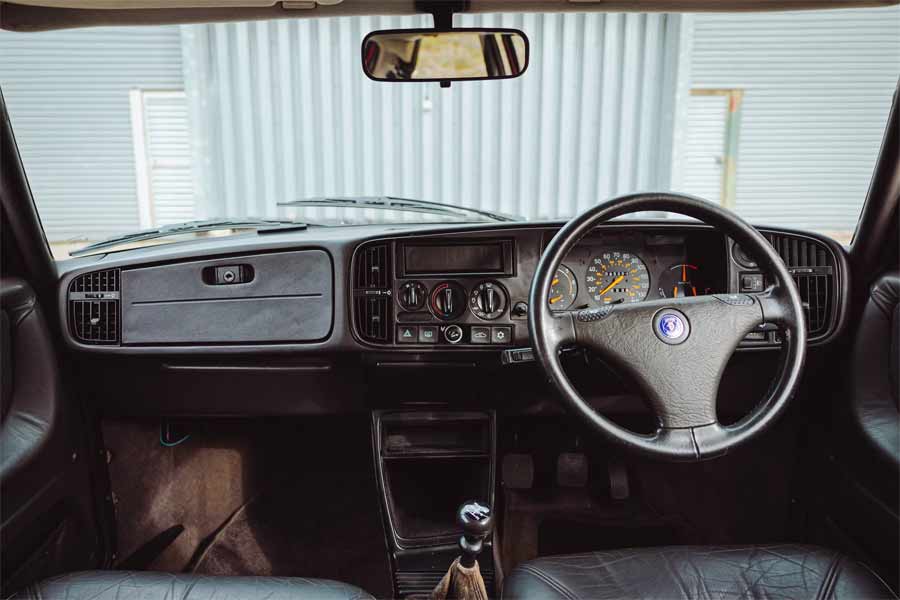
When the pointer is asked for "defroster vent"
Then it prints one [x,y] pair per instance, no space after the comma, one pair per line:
[94,307]
[372,303]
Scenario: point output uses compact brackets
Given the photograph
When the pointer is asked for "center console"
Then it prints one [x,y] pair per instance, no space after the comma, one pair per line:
[428,463]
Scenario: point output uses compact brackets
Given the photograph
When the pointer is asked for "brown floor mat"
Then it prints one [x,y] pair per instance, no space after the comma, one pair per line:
[312,527]
[255,498]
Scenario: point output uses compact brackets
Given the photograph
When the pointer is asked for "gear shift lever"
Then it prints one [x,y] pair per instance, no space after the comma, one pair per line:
[464,581]
[477,523]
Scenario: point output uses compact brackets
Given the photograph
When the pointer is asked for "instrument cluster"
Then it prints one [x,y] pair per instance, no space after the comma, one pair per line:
[624,270]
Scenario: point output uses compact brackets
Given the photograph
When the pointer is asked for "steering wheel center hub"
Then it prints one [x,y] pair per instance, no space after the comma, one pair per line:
[671,326]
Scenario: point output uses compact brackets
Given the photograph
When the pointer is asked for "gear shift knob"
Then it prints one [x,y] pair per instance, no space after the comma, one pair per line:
[477,523]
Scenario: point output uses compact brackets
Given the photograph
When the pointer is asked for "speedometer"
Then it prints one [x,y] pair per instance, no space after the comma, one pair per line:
[617,277]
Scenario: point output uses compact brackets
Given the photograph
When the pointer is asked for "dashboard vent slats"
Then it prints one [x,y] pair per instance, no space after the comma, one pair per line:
[815,293]
[812,266]
[372,302]
[372,267]
[94,307]
[373,317]
[799,252]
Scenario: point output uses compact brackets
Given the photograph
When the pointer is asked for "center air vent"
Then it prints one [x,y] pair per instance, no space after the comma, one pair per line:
[94,307]
[372,304]
[372,267]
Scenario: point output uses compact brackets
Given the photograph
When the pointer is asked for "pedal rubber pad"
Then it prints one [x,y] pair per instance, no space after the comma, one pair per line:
[618,481]
[517,471]
[572,470]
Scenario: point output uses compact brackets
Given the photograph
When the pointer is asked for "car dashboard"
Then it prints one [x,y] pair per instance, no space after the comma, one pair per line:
[414,288]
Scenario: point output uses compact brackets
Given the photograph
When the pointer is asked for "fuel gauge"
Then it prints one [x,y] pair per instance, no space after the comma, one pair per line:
[563,289]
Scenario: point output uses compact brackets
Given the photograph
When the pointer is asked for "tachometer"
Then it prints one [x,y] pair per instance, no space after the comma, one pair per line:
[682,280]
[563,290]
[617,277]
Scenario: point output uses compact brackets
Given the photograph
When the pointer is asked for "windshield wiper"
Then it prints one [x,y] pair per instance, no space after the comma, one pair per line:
[400,204]
[188,227]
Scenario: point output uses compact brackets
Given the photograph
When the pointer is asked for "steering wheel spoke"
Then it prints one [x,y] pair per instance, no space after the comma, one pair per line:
[776,308]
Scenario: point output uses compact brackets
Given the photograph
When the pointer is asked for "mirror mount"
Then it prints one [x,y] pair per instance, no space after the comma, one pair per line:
[442,13]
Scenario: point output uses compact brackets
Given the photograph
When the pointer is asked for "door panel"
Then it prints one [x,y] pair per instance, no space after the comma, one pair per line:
[45,497]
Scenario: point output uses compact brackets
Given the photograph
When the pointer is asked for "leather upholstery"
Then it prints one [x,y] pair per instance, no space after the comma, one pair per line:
[31,392]
[779,571]
[136,585]
[874,373]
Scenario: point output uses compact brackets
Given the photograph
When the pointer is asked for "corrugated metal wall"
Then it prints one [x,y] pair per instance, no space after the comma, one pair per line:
[818,89]
[168,147]
[67,94]
[705,148]
[282,111]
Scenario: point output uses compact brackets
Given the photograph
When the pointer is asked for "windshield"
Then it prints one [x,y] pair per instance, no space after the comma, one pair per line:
[778,116]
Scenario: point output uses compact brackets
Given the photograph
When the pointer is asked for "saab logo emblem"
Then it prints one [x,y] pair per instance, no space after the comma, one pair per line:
[671,326]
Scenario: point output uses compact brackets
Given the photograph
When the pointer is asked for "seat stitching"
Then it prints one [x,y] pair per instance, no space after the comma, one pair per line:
[825,588]
[552,582]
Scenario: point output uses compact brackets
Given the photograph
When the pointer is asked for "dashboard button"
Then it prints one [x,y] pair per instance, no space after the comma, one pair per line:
[407,334]
[481,335]
[428,334]
[501,335]
[453,334]
[752,282]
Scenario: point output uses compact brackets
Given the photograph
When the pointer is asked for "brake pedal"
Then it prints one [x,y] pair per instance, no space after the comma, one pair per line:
[517,471]
[572,470]
[618,480]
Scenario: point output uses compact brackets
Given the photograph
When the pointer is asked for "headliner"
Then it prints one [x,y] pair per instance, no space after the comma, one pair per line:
[39,15]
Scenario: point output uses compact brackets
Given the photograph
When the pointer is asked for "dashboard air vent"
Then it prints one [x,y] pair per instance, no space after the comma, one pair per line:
[815,293]
[799,252]
[812,266]
[372,299]
[372,267]
[373,316]
[94,307]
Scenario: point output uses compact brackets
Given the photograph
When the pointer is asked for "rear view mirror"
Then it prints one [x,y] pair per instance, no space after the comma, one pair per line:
[452,55]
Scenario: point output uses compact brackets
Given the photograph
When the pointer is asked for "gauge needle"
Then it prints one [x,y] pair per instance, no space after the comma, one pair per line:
[612,285]
[555,299]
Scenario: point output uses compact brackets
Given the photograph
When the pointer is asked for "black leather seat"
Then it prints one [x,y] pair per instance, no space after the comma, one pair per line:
[778,571]
[138,585]
[874,378]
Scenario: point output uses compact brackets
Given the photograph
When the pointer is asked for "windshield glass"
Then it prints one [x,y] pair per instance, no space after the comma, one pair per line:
[778,116]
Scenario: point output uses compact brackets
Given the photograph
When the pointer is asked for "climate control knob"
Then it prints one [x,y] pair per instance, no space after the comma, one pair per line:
[448,300]
[413,295]
[488,300]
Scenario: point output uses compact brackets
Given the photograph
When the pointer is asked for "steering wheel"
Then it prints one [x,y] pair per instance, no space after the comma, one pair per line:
[676,349]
